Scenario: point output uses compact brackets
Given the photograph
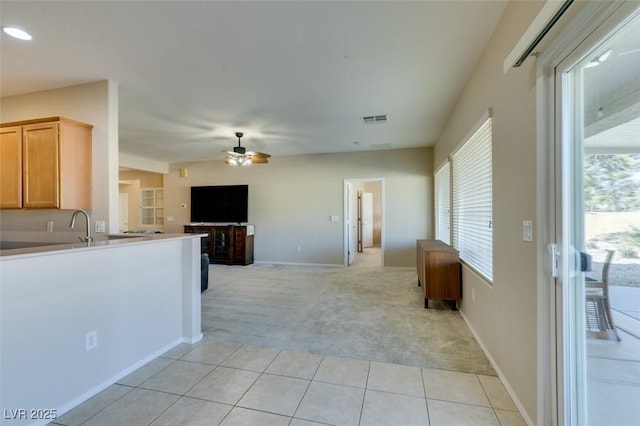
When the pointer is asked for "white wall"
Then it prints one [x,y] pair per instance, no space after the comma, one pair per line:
[93,103]
[292,198]
[504,314]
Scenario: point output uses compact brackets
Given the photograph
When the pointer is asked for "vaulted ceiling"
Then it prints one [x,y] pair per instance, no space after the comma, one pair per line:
[296,77]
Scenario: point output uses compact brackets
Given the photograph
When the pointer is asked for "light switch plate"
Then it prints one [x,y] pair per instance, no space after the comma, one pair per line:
[527,231]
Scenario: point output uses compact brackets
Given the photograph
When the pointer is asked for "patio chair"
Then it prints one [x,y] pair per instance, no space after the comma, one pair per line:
[598,309]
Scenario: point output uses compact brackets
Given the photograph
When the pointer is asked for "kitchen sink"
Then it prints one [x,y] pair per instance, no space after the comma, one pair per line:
[11,245]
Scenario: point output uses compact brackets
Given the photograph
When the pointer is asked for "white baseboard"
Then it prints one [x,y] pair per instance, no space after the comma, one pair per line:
[193,340]
[262,262]
[110,381]
[505,382]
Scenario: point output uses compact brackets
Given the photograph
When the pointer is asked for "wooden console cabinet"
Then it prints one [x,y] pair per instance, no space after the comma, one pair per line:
[226,244]
[439,271]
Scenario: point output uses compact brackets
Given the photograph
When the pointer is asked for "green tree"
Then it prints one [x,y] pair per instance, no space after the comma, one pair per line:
[611,182]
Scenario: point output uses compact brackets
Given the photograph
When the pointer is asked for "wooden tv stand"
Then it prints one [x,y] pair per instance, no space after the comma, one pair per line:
[225,244]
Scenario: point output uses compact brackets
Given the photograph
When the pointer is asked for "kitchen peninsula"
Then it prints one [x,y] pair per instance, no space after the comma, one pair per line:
[77,317]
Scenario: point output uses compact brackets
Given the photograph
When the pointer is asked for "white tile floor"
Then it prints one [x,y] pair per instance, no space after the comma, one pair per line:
[231,384]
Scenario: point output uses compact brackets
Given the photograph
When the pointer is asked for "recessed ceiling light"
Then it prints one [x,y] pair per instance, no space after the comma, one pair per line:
[17,33]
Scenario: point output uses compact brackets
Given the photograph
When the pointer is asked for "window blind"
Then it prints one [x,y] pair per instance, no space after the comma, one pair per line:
[473,201]
[442,182]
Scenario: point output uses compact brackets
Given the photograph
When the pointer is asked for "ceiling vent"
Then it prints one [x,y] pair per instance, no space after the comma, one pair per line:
[372,119]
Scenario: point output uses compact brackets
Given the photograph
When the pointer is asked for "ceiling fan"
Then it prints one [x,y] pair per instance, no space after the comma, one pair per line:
[241,157]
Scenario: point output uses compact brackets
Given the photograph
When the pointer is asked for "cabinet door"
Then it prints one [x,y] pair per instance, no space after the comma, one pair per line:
[11,167]
[41,166]
[443,276]
[75,170]
[240,246]
[221,244]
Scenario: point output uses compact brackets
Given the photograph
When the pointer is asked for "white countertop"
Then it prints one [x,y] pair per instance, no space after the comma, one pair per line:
[100,242]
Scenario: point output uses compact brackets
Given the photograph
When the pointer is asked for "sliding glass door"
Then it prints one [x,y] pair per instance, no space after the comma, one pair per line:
[597,229]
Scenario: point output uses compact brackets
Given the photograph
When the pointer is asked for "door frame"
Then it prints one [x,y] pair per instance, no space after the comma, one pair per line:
[592,25]
[366,210]
[347,206]
[123,198]
[349,234]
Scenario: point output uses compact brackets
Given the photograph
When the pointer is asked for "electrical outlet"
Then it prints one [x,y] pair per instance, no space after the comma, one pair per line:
[299,248]
[49,226]
[91,340]
[473,294]
[100,225]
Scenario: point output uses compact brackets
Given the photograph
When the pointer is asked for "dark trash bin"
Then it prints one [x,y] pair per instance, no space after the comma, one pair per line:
[204,272]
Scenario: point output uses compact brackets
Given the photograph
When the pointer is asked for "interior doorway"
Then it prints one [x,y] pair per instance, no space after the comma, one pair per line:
[364,222]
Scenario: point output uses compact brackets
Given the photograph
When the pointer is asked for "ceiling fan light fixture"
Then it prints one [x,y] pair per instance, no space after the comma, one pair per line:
[238,161]
[241,157]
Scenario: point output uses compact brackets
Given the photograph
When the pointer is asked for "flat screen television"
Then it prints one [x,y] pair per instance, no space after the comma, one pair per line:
[220,204]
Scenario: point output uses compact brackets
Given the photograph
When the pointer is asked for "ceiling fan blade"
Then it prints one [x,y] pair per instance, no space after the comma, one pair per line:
[260,154]
[258,160]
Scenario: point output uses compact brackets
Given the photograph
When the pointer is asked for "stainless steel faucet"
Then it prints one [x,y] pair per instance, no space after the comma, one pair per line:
[72,225]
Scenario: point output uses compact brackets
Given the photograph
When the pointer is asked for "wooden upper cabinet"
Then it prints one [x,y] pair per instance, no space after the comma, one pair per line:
[41,166]
[11,167]
[56,163]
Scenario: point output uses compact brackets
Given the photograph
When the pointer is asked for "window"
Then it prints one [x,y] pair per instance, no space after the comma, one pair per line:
[152,207]
[443,204]
[473,202]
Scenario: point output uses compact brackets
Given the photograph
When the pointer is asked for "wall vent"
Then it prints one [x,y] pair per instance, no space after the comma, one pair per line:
[372,119]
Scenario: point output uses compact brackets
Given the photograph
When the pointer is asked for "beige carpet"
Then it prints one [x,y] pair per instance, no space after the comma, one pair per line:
[368,313]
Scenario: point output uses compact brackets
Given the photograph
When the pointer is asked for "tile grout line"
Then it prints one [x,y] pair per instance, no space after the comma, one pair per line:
[180,396]
[131,388]
[235,405]
[364,395]
[486,394]
[184,395]
[426,401]
[306,390]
